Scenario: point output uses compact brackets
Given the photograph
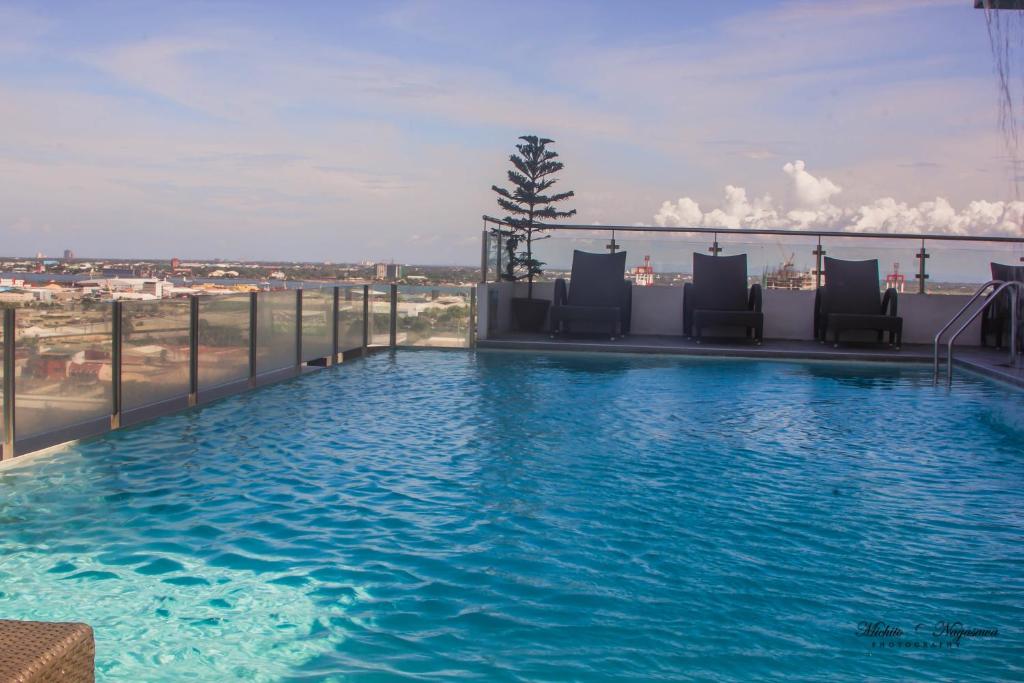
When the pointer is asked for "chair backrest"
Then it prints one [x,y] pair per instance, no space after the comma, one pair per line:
[1006,273]
[852,286]
[1001,271]
[597,279]
[720,282]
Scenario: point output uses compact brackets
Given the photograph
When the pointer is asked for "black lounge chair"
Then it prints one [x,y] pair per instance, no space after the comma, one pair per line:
[598,294]
[718,297]
[850,300]
[995,320]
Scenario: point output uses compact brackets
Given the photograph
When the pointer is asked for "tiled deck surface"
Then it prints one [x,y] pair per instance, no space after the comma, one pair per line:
[985,361]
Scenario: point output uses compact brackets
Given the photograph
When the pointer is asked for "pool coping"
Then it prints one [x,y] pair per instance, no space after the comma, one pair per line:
[980,361]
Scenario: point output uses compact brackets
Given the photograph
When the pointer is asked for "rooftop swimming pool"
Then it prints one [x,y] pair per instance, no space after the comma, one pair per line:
[504,516]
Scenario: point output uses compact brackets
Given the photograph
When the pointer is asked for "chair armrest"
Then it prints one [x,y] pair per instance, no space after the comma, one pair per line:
[889,302]
[561,293]
[754,301]
[688,309]
[819,317]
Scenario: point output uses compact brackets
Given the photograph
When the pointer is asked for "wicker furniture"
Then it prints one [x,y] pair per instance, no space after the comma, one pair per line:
[850,300]
[719,297]
[598,295]
[43,652]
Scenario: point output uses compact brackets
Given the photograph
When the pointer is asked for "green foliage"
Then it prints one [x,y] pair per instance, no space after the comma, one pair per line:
[528,204]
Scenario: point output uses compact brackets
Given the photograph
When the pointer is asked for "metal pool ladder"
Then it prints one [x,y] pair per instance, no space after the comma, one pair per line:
[1016,289]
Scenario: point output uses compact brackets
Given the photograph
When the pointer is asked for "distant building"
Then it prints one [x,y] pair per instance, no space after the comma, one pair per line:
[118,272]
[389,271]
[69,255]
[175,263]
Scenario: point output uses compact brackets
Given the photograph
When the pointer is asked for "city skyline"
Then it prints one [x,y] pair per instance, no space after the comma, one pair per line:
[334,132]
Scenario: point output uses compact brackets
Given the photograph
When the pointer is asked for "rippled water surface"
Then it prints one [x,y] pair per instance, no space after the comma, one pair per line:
[500,516]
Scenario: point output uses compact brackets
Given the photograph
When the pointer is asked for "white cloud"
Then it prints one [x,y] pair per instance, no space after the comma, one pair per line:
[814,208]
[810,191]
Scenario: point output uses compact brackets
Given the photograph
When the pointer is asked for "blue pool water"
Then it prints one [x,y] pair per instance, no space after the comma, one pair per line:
[500,516]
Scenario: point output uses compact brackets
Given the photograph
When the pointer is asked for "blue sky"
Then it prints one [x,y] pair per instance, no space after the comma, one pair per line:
[347,131]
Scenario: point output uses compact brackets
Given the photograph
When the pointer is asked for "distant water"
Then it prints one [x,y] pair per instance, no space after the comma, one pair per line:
[225,281]
[499,516]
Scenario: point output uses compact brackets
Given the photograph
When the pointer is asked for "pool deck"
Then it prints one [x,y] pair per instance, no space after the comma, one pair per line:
[984,361]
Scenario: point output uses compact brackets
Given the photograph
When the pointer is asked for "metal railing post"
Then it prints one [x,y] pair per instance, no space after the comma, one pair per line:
[334,326]
[298,328]
[366,316]
[116,355]
[193,349]
[393,329]
[922,271]
[253,320]
[472,317]
[8,417]
[818,253]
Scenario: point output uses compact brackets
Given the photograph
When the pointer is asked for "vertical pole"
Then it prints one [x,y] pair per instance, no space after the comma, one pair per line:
[922,271]
[253,312]
[298,328]
[116,347]
[334,326]
[8,447]
[193,349]
[394,315]
[366,316]
[818,253]
[472,317]
[483,254]
[714,248]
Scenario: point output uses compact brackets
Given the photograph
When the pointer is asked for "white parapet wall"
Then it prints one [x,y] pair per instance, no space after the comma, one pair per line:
[787,314]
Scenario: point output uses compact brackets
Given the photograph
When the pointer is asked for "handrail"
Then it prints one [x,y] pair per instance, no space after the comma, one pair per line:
[1014,286]
[772,231]
[938,335]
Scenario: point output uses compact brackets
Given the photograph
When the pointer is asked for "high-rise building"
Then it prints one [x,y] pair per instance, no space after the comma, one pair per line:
[69,255]
[389,271]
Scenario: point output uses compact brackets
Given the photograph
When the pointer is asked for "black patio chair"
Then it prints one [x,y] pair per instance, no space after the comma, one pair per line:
[995,320]
[850,300]
[598,294]
[719,297]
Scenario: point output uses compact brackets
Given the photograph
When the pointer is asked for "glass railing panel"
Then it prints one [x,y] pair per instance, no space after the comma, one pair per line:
[350,318]
[2,366]
[658,258]
[960,267]
[275,331]
[433,316]
[775,261]
[63,354]
[317,318]
[554,250]
[757,251]
[495,257]
[380,315]
[155,352]
[223,340]
[897,262]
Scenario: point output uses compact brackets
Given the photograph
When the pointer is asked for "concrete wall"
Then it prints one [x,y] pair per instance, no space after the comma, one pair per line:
[787,314]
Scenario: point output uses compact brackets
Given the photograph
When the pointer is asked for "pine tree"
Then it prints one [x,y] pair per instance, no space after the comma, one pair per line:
[528,205]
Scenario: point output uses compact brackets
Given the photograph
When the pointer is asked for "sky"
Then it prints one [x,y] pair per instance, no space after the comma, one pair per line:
[337,131]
